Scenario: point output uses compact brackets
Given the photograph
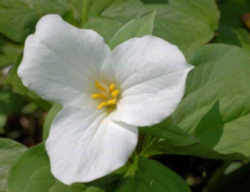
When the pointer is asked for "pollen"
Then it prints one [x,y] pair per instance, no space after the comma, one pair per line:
[107,95]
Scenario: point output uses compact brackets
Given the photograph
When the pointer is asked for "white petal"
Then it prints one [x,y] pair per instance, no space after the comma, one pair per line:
[61,61]
[84,145]
[151,74]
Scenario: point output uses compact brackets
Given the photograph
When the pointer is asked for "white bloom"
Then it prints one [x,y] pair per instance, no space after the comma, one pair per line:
[105,94]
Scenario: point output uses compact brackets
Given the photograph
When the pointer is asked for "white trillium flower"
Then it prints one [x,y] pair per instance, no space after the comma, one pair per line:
[105,94]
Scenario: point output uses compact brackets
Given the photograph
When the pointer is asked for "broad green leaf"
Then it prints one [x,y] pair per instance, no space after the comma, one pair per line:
[10,151]
[97,6]
[18,17]
[83,10]
[18,87]
[9,52]
[155,1]
[60,187]
[134,28]
[188,24]
[49,118]
[104,26]
[170,132]
[21,174]
[172,139]
[31,173]
[151,176]
[40,181]
[205,127]
[221,76]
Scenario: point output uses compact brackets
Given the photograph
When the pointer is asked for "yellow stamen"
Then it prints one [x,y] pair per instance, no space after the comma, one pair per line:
[111,102]
[111,87]
[100,86]
[107,96]
[115,93]
[98,96]
[102,104]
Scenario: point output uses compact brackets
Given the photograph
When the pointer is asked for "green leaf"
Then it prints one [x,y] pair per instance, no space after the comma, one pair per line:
[22,174]
[10,152]
[104,26]
[134,28]
[83,10]
[188,24]
[49,119]
[18,17]
[41,180]
[205,127]
[216,79]
[9,52]
[60,187]
[31,172]
[97,6]
[170,132]
[151,176]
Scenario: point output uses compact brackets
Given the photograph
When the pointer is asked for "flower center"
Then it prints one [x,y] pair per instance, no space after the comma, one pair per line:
[108,95]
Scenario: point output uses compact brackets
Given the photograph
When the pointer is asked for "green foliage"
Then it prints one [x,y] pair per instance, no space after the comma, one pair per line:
[26,168]
[31,172]
[151,176]
[104,26]
[188,24]
[217,100]
[232,30]
[134,28]
[171,132]
[9,52]
[59,187]
[18,18]
[10,151]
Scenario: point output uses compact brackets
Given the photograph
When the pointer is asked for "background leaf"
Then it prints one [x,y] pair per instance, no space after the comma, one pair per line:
[9,52]
[28,164]
[10,152]
[151,176]
[221,76]
[188,24]
[134,28]
[18,17]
